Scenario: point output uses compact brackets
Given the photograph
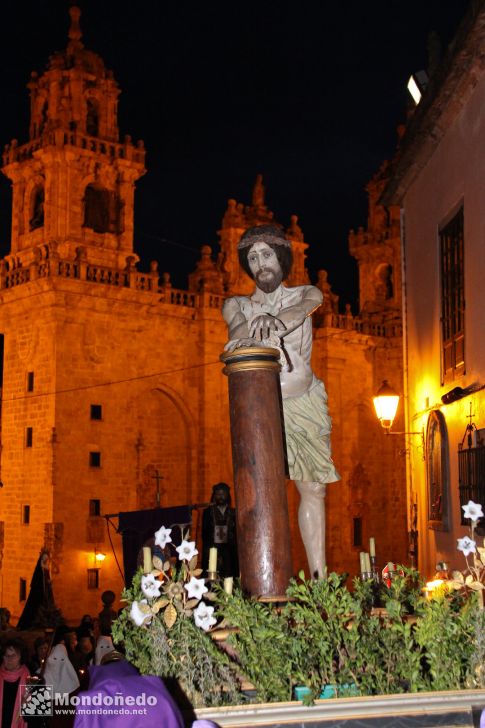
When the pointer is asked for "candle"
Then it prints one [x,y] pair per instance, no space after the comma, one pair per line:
[390,566]
[372,547]
[362,562]
[228,584]
[147,559]
[212,560]
[367,562]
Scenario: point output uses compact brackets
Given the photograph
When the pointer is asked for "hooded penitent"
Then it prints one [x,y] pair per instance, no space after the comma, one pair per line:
[59,671]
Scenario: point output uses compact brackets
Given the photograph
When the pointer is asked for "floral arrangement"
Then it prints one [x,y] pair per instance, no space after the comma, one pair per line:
[171,592]
[165,630]
[474,575]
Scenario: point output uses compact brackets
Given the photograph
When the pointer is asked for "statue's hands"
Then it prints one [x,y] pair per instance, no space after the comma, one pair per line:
[263,330]
[264,325]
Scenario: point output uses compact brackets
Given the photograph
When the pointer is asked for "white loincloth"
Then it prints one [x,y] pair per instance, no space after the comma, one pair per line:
[308,426]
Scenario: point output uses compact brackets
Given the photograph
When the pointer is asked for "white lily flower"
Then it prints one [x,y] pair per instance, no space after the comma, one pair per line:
[466,545]
[137,615]
[186,550]
[162,537]
[473,511]
[196,588]
[203,617]
[150,586]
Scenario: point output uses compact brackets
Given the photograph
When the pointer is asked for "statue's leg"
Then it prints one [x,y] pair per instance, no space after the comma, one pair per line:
[311,519]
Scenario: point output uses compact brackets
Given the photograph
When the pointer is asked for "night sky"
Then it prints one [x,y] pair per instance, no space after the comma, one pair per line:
[308,93]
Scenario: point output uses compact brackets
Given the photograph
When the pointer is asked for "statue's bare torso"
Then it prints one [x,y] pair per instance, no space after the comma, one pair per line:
[296,375]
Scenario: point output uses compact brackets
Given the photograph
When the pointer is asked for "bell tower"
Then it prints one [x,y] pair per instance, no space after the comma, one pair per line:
[73,181]
[378,253]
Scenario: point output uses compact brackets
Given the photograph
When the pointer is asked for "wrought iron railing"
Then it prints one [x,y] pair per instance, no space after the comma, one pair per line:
[471,476]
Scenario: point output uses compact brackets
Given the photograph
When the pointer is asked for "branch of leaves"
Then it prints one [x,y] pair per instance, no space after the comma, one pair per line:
[471,581]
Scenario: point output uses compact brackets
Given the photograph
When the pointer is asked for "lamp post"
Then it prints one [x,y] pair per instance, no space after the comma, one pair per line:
[386,403]
[417,84]
[99,557]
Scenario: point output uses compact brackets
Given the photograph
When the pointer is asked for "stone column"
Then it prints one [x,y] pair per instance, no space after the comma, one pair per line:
[263,530]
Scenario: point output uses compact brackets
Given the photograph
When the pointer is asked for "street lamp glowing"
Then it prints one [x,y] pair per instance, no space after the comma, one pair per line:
[414,90]
[417,84]
[385,403]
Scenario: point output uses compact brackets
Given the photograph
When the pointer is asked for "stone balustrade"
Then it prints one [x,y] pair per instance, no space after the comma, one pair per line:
[131,278]
[128,277]
[60,137]
[369,325]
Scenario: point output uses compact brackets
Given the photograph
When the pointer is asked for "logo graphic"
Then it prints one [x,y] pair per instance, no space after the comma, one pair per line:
[36,700]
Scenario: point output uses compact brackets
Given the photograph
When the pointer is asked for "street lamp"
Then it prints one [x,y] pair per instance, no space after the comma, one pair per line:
[417,84]
[99,556]
[386,402]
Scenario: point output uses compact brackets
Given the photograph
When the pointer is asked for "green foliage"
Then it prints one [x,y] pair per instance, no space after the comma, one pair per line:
[136,641]
[327,634]
[260,644]
[317,618]
[177,649]
[477,677]
[446,633]
[324,634]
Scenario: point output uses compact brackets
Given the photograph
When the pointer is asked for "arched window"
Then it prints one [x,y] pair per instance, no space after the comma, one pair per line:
[43,117]
[37,208]
[92,118]
[102,210]
[437,471]
[385,284]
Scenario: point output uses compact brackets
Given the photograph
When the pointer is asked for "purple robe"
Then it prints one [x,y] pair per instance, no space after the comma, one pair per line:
[121,681]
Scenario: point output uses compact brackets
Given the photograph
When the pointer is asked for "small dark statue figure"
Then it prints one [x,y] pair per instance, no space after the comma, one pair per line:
[219,531]
[40,608]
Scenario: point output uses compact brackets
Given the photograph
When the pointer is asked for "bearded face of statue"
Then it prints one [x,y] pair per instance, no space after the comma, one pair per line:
[265,267]
[221,497]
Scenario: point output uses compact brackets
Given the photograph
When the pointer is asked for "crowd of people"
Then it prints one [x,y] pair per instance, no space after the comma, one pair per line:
[60,657]
[77,661]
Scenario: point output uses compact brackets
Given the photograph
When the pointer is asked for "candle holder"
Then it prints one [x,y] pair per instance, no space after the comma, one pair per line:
[212,576]
[374,588]
[373,564]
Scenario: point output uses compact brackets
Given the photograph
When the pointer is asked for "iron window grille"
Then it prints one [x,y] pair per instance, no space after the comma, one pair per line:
[471,471]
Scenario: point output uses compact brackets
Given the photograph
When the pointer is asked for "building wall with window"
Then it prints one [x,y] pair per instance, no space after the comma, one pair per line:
[438,179]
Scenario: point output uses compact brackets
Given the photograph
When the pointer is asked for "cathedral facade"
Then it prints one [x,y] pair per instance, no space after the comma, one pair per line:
[113,397]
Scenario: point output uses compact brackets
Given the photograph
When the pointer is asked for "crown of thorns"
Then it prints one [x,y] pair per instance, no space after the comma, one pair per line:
[269,234]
